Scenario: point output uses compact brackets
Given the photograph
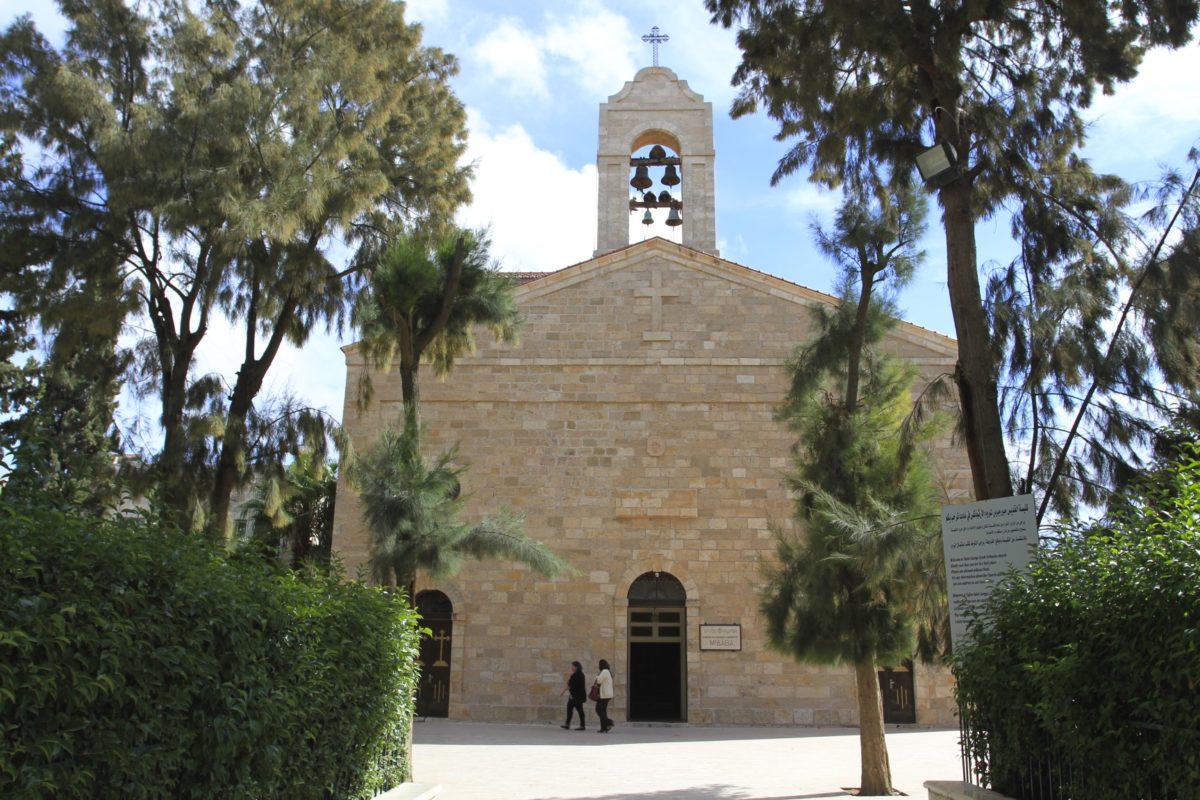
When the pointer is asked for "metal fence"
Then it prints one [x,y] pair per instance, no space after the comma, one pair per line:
[1048,775]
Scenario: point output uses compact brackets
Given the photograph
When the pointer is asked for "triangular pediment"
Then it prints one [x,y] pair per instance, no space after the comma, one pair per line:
[751,294]
[661,302]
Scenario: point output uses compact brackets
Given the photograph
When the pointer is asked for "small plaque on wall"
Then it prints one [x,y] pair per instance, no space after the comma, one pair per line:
[721,637]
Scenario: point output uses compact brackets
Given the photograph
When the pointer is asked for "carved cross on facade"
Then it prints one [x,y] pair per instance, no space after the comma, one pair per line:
[655,39]
[656,294]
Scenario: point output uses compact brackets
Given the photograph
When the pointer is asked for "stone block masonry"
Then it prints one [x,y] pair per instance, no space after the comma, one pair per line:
[628,455]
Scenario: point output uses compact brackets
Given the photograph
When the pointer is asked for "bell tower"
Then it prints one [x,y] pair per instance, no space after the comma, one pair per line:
[674,178]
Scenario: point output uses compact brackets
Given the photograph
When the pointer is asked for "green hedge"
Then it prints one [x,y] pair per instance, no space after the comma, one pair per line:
[138,663]
[1085,680]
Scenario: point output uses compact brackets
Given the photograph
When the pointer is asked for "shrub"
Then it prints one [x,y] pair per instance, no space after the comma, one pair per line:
[1092,661]
[142,663]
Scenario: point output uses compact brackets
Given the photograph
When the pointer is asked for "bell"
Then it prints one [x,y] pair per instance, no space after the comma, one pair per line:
[647,218]
[649,200]
[641,179]
[664,198]
[670,177]
[657,152]
[674,219]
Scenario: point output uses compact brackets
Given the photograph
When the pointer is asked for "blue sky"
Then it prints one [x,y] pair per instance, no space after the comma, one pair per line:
[532,76]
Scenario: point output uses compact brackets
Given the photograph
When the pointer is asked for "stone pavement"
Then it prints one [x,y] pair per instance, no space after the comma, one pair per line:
[484,761]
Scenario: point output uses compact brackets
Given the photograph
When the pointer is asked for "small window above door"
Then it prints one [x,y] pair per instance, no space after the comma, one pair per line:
[657,589]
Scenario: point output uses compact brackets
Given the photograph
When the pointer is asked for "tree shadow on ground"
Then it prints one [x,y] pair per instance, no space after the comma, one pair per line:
[709,792]
[433,731]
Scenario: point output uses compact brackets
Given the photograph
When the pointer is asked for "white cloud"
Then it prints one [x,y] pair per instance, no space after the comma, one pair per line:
[514,58]
[703,54]
[639,231]
[425,10]
[1150,121]
[542,213]
[596,43]
[1164,94]
[588,47]
[804,198]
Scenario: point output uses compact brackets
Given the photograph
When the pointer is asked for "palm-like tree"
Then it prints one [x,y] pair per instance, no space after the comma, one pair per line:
[413,508]
[293,511]
[424,302]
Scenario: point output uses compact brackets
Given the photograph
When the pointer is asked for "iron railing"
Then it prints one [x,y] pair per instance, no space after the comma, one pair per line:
[1050,775]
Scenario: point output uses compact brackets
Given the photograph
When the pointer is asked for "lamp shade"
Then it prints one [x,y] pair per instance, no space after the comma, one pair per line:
[937,164]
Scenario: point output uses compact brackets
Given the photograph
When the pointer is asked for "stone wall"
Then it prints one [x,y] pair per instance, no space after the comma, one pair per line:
[958,790]
[632,427]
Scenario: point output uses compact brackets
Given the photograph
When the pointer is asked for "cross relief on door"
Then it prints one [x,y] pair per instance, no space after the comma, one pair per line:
[657,295]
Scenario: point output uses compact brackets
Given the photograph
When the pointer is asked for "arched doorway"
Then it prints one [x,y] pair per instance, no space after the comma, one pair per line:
[433,690]
[657,649]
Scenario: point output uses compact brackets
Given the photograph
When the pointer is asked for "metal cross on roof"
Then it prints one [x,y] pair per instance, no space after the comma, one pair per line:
[655,39]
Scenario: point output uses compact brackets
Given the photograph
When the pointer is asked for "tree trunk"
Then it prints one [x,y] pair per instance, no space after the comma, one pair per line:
[177,339]
[976,373]
[854,357]
[225,478]
[171,459]
[409,395]
[412,348]
[175,496]
[233,444]
[876,778]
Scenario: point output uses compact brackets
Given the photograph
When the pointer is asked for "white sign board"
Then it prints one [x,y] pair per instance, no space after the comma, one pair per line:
[720,637]
[981,542]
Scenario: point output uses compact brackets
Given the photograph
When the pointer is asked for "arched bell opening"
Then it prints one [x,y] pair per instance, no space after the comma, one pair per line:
[433,689]
[653,136]
[657,648]
[656,109]
[656,175]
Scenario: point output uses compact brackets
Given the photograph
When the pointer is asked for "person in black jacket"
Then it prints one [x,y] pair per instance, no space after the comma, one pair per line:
[575,686]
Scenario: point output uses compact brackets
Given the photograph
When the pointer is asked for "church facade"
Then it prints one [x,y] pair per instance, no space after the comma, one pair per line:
[632,427]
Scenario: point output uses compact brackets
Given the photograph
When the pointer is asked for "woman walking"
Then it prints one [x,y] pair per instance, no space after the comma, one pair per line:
[575,684]
[604,688]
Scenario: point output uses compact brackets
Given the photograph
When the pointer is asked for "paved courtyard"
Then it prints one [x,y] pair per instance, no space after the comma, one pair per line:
[478,761]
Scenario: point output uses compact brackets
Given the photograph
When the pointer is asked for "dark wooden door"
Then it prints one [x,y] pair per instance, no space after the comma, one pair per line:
[433,693]
[657,654]
[657,644]
[433,690]
[896,686]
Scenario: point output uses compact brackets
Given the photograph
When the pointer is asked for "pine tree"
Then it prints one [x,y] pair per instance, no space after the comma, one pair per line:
[1101,347]
[861,578]
[863,87]
[63,445]
[234,160]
